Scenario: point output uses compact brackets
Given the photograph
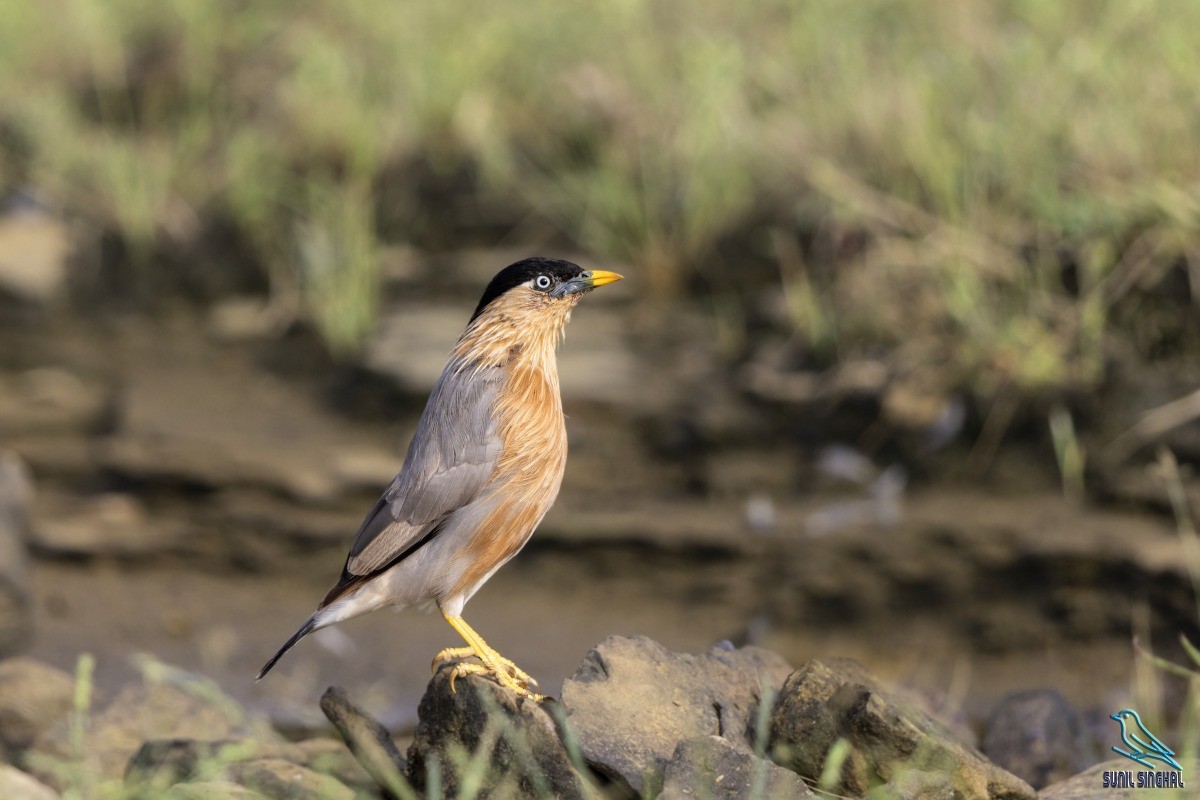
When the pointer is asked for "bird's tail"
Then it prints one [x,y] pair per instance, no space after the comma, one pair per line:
[308,627]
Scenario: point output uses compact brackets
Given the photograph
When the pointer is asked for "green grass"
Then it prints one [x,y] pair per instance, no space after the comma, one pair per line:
[994,188]
[1148,686]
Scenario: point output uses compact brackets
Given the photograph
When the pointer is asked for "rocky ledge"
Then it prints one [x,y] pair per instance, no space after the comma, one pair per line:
[635,721]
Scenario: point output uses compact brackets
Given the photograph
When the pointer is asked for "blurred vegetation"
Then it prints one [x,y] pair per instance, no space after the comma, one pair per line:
[1004,189]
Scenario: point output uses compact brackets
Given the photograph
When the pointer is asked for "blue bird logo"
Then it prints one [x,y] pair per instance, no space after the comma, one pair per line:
[1144,747]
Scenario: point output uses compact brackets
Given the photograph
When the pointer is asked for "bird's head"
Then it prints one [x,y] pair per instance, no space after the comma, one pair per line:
[524,311]
[1121,715]
[541,286]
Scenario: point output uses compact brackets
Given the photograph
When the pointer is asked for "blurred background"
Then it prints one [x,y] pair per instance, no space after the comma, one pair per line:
[905,365]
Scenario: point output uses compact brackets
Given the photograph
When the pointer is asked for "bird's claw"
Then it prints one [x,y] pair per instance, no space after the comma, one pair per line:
[521,676]
[450,654]
[509,680]
[457,654]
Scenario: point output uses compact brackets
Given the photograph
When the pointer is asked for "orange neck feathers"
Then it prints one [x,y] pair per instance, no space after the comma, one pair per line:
[520,329]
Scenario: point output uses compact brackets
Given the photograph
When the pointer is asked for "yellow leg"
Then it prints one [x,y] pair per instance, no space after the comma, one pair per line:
[502,670]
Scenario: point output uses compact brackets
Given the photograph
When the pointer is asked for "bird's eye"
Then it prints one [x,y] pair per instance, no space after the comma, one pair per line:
[542,282]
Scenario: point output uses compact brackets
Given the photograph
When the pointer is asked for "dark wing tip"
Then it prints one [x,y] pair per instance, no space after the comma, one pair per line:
[345,584]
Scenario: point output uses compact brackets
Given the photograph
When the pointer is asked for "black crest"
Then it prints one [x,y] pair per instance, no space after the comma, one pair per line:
[522,272]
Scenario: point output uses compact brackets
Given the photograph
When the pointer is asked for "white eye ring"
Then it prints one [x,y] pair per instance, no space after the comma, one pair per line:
[542,282]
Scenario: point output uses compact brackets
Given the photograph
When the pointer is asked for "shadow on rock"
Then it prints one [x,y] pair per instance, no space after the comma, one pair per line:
[838,712]
[483,735]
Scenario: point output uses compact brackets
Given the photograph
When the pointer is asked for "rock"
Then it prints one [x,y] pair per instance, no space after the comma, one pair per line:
[1037,736]
[34,246]
[211,790]
[279,521]
[33,697]
[16,613]
[111,523]
[330,757]
[1089,785]
[186,709]
[282,780]
[631,702]
[196,462]
[890,739]
[18,785]
[48,400]
[916,784]
[160,763]
[716,769]
[243,319]
[369,741]
[527,756]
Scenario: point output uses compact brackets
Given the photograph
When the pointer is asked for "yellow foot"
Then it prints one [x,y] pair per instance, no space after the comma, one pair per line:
[502,677]
[451,654]
[507,666]
[494,665]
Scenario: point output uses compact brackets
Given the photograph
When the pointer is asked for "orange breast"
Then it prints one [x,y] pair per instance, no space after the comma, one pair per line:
[530,469]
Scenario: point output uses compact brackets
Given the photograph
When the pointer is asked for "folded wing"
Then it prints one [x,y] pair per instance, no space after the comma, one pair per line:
[451,458]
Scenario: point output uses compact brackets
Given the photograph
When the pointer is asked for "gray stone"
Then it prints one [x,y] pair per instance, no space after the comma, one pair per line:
[631,702]
[527,756]
[1089,784]
[1037,736]
[18,785]
[713,768]
[280,779]
[33,697]
[891,741]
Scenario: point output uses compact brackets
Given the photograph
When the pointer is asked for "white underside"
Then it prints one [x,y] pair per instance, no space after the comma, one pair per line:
[429,575]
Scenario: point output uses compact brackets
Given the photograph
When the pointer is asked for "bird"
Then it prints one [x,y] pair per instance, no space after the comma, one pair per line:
[1144,746]
[484,466]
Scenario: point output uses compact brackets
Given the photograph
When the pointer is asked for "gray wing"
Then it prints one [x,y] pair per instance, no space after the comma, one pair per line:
[451,457]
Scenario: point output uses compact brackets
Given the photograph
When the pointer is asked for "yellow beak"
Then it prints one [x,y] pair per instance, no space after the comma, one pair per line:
[600,277]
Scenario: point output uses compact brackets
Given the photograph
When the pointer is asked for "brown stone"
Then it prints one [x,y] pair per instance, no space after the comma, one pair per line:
[891,742]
